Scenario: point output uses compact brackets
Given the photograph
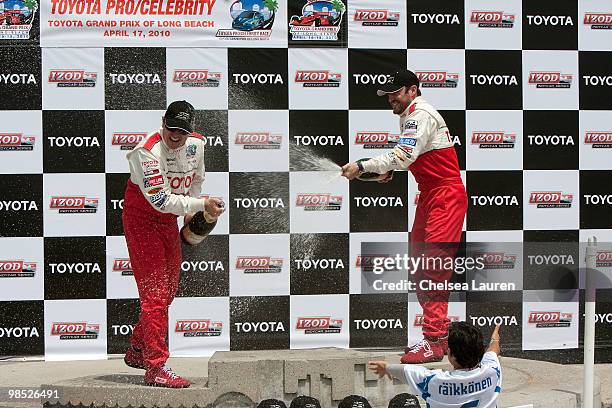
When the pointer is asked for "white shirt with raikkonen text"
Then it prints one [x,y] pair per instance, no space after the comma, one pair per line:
[478,387]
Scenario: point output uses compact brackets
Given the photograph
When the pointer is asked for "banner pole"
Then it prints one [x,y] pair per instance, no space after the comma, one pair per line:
[589,323]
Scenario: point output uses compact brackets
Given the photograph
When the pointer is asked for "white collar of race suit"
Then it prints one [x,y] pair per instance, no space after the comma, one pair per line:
[414,101]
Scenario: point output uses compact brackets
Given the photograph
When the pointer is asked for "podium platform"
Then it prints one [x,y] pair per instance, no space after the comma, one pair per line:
[243,378]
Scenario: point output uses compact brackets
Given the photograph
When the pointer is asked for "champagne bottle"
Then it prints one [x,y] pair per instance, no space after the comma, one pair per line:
[198,228]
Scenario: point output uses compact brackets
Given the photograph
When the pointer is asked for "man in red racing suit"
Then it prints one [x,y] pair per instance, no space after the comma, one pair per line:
[425,148]
[166,175]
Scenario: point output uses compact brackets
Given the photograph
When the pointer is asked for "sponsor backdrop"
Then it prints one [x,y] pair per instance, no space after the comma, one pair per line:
[284,91]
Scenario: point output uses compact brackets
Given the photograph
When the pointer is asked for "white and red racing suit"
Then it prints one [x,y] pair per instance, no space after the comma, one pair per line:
[163,184]
[426,149]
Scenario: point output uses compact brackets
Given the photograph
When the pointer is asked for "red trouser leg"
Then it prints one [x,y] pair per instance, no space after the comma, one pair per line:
[155,254]
[174,260]
[438,219]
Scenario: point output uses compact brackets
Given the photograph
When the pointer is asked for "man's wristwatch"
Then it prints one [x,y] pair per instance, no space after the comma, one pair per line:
[360,166]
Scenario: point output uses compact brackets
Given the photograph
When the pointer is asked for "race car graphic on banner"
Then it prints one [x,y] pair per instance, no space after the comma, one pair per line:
[16,17]
[319,20]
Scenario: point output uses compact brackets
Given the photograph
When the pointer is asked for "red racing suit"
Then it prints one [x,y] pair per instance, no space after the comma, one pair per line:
[426,149]
[163,184]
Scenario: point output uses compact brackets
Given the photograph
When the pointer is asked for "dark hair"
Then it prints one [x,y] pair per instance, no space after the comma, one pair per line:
[271,403]
[404,400]
[417,87]
[466,344]
[304,401]
[354,401]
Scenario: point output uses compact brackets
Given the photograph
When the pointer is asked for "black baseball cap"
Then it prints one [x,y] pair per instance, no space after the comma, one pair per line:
[404,400]
[396,80]
[271,403]
[304,401]
[180,115]
[354,401]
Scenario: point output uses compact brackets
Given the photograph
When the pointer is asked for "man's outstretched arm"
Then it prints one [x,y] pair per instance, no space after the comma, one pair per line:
[494,345]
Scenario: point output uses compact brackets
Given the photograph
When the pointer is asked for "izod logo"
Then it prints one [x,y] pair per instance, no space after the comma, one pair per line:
[419,320]
[259,140]
[550,79]
[123,266]
[542,319]
[598,21]
[496,260]
[17,269]
[437,79]
[73,78]
[75,330]
[314,202]
[73,204]
[550,199]
[318,79]
[196,78]
[374,17]
[198,328]
[127,140]
[603,259]
[376,140]
[494,140]
[366,262]
[492,19]
[259,264]
[598,139]
[16,141]
[319,325]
